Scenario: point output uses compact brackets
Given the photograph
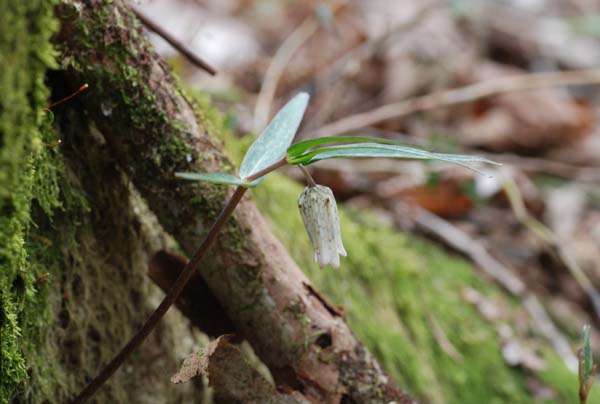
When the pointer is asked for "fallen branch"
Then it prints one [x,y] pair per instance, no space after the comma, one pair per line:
[457,96]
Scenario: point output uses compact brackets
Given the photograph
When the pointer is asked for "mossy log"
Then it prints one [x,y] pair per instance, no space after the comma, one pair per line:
[152,130]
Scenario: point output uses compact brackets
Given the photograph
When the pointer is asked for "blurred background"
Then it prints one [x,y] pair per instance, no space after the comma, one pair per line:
[409,71]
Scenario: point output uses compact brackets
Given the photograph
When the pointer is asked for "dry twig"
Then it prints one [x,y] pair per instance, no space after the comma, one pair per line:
[588,173]
[334,74]
[174,42]
[442,339]
[457,96]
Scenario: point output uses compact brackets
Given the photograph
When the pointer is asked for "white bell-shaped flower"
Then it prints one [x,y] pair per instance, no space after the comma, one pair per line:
[320,216]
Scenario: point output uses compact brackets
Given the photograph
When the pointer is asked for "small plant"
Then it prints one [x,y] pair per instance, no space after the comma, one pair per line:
[272,150]
[587,367]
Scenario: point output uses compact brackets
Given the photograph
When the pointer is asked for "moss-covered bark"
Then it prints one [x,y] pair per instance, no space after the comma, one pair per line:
[73,255]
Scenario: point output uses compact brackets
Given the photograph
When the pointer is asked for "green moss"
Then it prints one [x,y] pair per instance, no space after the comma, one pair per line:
[28,173]
[123,97]
[110,66]
[73,282]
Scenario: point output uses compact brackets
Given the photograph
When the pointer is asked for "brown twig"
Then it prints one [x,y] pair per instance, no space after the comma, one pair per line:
[174,42]
[175,291]
[442,339]
[369,49]
[581,173]
[457,96]
[333,75]
[81,89]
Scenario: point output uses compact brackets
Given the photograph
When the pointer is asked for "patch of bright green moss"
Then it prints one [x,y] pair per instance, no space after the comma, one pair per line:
[28,174]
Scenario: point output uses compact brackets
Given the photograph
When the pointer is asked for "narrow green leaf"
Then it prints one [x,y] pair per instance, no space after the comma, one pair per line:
[588,362]
[385,150]
[273,143]
[216,178]
[301,147]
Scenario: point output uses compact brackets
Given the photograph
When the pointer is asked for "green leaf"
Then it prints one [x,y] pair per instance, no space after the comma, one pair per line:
[273,143]
[301,147]
[385,150]
[216,178]
[588,362]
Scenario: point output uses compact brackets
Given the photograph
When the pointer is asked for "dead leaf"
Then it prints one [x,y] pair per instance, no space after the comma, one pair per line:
[189,369]
[231,377]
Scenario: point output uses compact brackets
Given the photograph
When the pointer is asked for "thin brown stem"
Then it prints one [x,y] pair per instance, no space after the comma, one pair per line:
[68,97]
[174,42]
[267,170]
[175,291]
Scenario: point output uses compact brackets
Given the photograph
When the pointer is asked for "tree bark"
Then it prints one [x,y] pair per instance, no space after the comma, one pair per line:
[152,130]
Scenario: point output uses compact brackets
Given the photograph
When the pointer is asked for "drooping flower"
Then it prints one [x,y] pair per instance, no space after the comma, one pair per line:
[320,216]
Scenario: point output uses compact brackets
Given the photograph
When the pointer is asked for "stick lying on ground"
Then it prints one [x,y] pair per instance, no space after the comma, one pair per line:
[457,96]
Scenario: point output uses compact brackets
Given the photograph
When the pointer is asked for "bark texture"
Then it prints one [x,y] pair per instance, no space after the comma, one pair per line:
[152,130]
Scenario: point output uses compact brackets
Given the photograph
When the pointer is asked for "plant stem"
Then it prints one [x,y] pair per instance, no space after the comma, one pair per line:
[267,170]
[173,294]
[309,179]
